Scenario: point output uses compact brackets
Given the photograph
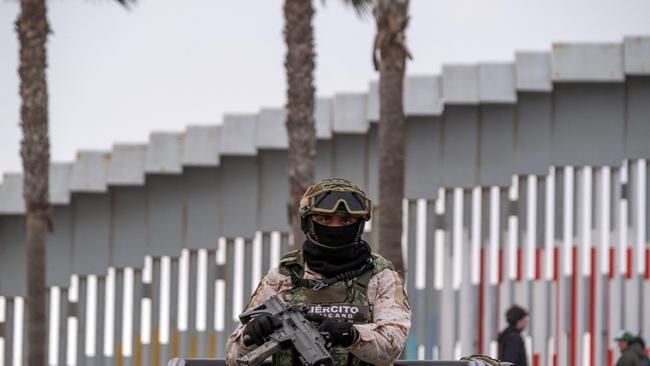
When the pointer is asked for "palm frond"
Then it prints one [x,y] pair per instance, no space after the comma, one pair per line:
[363,8]
[126,3]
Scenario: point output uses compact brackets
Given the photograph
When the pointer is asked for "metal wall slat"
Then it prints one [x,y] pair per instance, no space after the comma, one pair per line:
[126,166]
[229,283]
[204,210]
[101,320]
[165,214]
[273,186]
[202,145]
[266,253]
[128,310]
[349,158]
[638,117]
[154,348]
[91,233]
[467,304]
[419,249]
[248,266]
[460,147]
[167,349]
[584,113]
[63,320]
[503,290]
[433,295]
[137,317]
[220,311]
[188,343]
[447,332]
[164,153]
[120,287]
[415,337]
[372,162]
[423,157]
[129,232]
[496,145]
[602,231]
[59,248]
[324,166]
[207,338]
[488,290]
[271,132]
[587,62]
[9,330]
[239,195]
[20,349]
[82,331]
[14,256]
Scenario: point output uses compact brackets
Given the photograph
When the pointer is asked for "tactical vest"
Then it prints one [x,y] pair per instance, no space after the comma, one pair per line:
[353,291]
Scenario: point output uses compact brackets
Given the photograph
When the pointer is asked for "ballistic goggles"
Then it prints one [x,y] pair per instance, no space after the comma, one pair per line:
[330,202]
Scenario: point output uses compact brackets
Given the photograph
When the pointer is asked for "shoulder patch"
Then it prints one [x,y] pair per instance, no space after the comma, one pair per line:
[381,263]
[400,292]
[290,257]
[293,258]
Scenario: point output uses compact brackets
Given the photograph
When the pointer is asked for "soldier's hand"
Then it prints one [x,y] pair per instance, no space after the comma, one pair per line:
[338,333]
[259,328]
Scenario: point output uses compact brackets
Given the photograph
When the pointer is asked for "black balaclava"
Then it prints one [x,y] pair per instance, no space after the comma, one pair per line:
[338,249]
[336,236]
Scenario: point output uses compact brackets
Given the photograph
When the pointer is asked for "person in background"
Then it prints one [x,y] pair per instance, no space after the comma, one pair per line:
[632,352]
[511,344]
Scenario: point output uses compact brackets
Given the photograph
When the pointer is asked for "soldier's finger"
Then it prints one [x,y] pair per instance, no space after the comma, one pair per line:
[276,322]
[259,341]
[265,325]
[314,317]
[258,334]
[328,339]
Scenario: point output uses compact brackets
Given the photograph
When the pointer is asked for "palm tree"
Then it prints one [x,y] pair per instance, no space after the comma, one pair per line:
[389,58]
[299,64]
[33,28]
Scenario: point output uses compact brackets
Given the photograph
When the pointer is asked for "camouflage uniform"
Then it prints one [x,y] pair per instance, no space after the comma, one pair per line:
[384,323]
[380,341]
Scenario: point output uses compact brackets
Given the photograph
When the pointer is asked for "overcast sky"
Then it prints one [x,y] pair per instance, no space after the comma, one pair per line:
[116,75]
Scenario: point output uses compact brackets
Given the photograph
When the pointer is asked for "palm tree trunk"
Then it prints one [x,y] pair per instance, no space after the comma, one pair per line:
[299,65]
[390,58]
[33,29]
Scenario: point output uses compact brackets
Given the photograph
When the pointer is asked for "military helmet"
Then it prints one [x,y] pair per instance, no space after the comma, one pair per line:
[334,196]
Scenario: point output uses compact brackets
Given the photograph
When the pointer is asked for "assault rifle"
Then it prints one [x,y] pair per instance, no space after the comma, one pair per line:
[296,332]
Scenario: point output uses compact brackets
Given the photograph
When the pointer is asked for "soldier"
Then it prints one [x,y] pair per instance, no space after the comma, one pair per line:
[357,294]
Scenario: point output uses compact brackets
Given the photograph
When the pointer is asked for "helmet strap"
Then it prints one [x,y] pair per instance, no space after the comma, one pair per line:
[362,225]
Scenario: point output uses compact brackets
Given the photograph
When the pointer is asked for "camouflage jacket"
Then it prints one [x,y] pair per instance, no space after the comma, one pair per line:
[380,341]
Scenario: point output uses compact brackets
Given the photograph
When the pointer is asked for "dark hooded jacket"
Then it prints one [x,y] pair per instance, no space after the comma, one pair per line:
[511,347]
[632,355]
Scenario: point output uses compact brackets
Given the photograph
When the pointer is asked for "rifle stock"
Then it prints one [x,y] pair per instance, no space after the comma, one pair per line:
[258,355]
